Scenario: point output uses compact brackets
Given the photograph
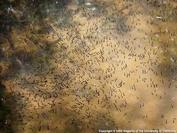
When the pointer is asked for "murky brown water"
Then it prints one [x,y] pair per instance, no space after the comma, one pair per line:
[108,66]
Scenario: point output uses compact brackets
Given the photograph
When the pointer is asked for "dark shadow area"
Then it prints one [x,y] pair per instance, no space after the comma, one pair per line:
[162,8]
[168,66]
[165,21]
[115,20]
[5,112]
[120,23]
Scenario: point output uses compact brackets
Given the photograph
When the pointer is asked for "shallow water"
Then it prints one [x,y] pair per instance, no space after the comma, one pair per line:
[111,65]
